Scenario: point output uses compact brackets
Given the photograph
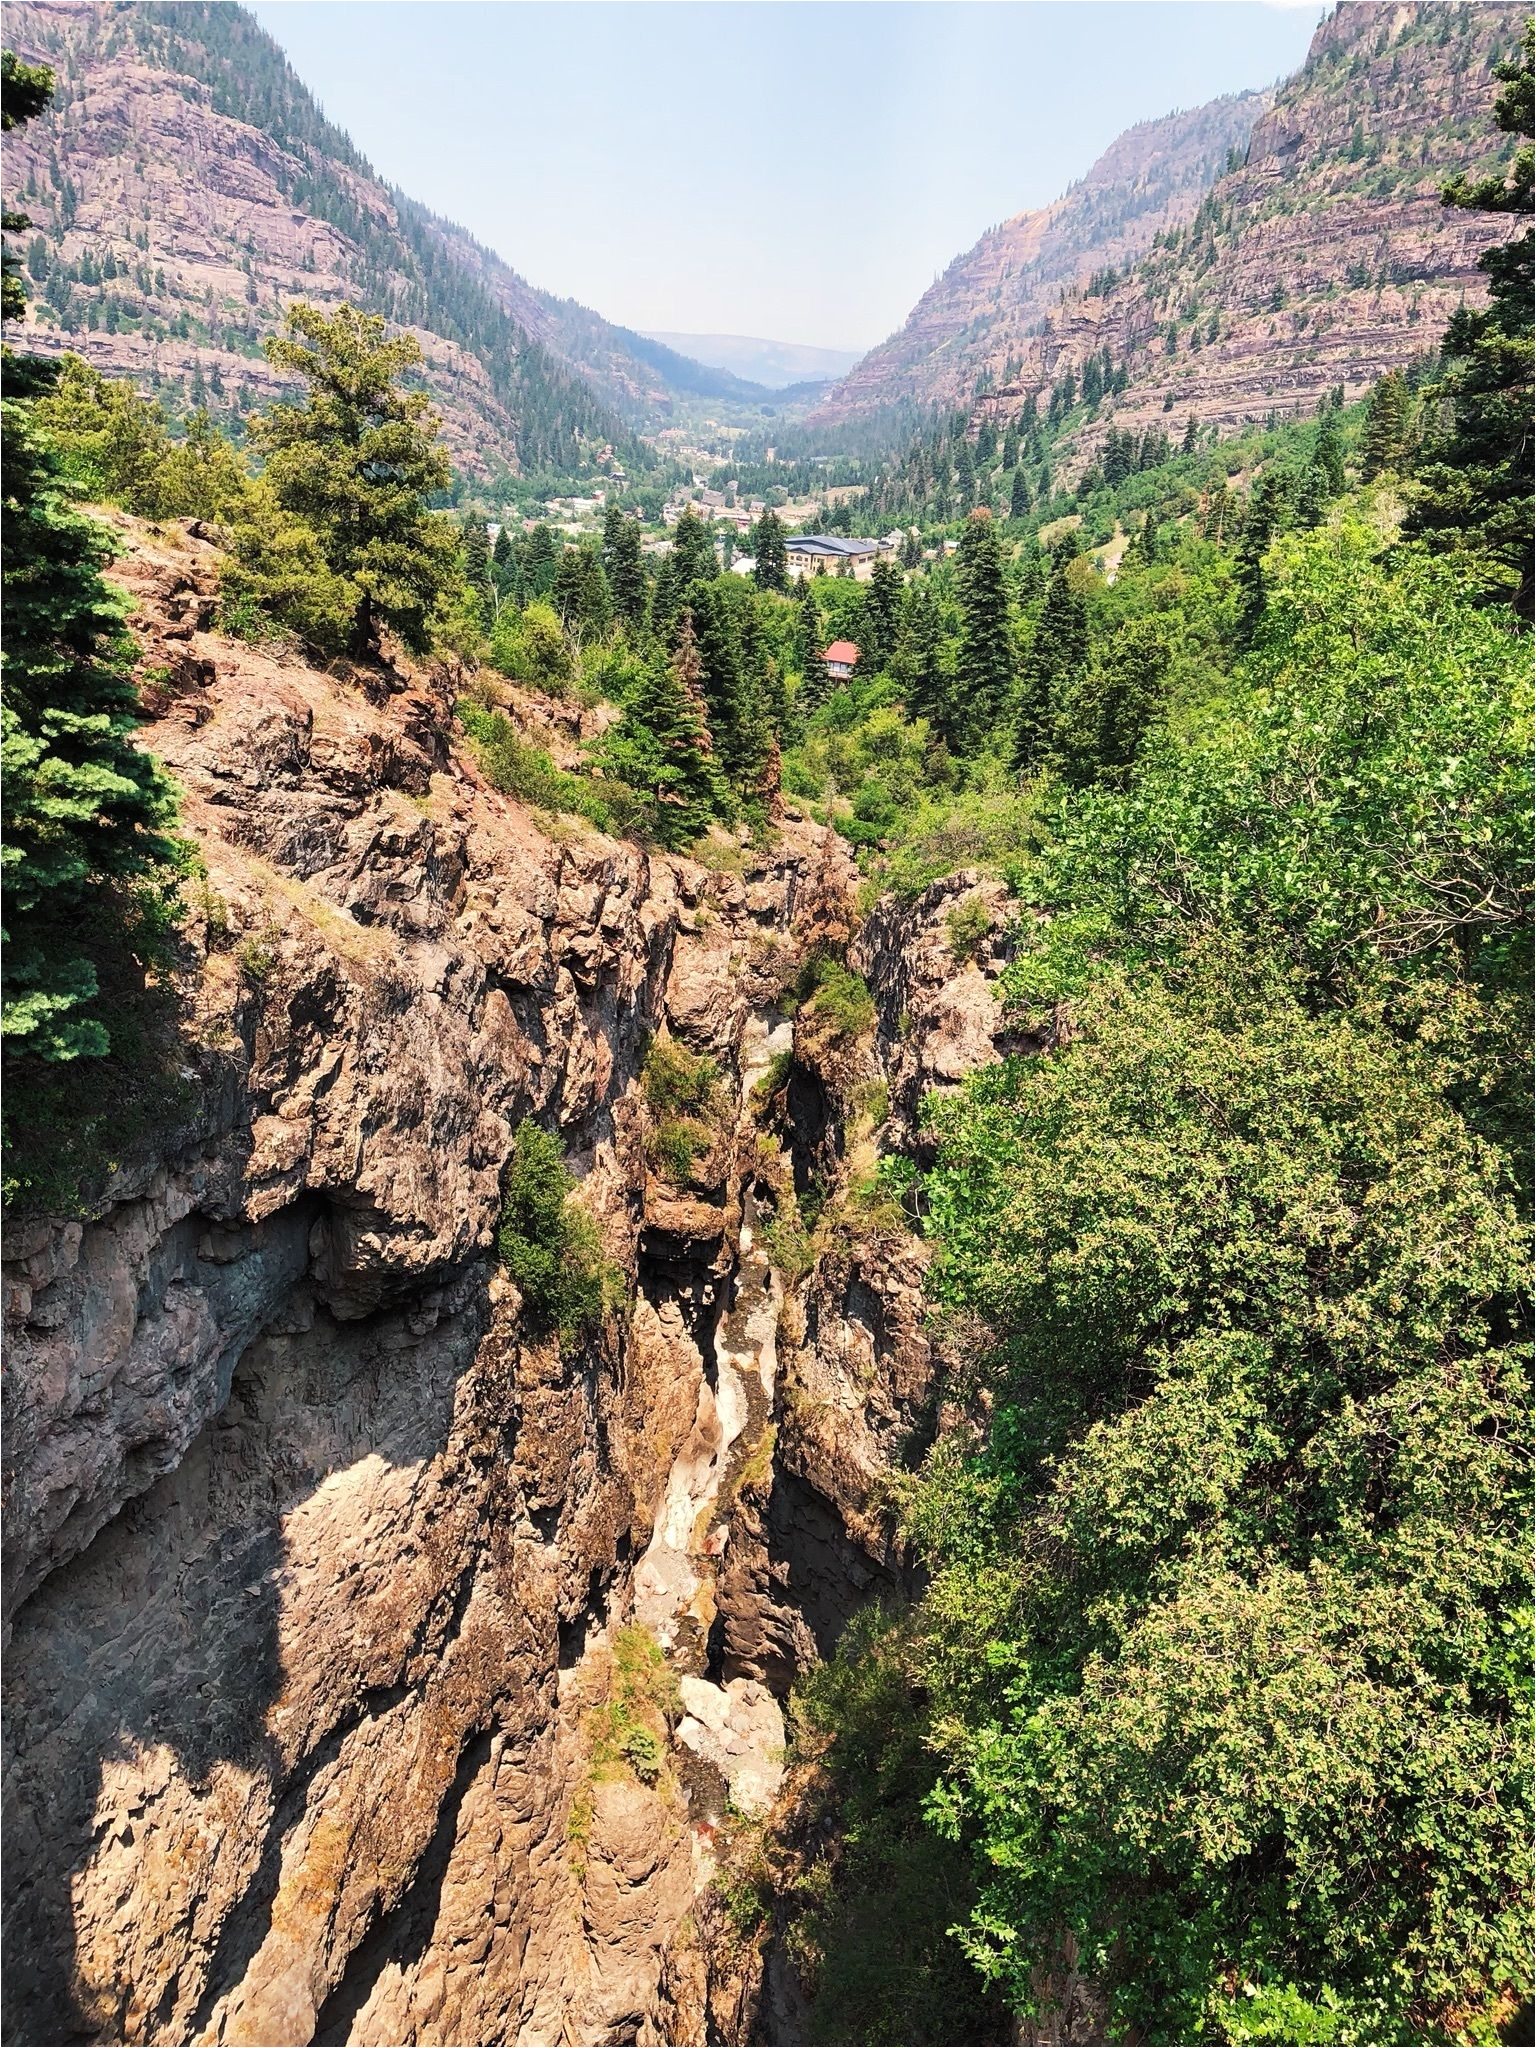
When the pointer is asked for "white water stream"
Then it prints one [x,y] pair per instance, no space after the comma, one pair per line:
[737,1727]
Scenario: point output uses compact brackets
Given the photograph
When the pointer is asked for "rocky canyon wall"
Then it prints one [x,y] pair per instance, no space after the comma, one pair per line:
[379,1671]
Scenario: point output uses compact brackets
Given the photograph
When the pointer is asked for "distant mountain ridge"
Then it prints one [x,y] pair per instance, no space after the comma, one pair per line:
[779,365]
[975,320]
[1325,257]
[185,186]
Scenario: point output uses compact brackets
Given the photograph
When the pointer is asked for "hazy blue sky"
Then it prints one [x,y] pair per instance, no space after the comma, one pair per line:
[800,171]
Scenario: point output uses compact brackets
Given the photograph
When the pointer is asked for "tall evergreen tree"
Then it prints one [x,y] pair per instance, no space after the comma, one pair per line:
[1384,441]
[1473,496]
[733,710]
[623,566]
[1019,495]
[581,595]
[1268,509]
[661,747]
[882,615]
[25,89]
[667,598]
[985,668]
[87,860]
[770,553]
[926,681]
[476,555]
[541,559]
[357,461]
[1051,671]
[1328,453]
[694,549]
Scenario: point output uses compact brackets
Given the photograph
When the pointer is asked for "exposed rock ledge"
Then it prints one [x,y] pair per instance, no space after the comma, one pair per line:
[310,1555]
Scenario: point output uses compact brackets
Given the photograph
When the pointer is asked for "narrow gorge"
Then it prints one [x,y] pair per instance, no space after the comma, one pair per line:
[380,1669]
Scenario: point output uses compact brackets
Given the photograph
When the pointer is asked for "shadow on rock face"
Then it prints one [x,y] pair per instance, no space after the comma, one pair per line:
[176,1693]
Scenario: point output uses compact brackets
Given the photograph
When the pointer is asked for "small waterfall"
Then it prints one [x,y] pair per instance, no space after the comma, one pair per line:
[737,1727]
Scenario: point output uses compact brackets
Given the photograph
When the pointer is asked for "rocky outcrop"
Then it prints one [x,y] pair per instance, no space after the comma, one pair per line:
[328,1580]
[304,1533]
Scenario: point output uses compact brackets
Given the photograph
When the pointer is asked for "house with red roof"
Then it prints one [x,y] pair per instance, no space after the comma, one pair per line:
[840,658]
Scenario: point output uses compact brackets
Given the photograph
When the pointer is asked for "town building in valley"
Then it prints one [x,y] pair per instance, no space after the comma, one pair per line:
[840,660]
[829,554]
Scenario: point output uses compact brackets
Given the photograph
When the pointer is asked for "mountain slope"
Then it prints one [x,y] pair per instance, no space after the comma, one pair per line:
[973,323]
[1326,257]
[778,364]
[185,186]
[636,374]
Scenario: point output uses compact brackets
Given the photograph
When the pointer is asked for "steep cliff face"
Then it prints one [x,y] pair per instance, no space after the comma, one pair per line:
[379,1671]
[975,323]
[1327,258]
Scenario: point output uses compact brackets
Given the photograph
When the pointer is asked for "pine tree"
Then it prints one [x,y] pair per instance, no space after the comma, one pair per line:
[733,711]
[661,747]
[623,566]
[1328,454]
[667,598]
[1269,507]
[89,867]
[965,474]
[693,548]
[984,670]
[882,615]
[926,683]
[1191,439]
[770,553]
[476,557]
[1052,669]
[357,461]
[1472,498]
[1019,496]
[1386,421]
[25,89]
[581,595]
[541,558]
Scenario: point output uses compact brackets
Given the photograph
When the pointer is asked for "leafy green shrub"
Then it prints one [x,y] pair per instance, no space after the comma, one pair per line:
[531,647]
[787,1241]
[517,768]
[675,1147]
[631,1728]
[676,1081]
[772,1079]
[642,1750]
[835,992]
[548,1244]
[968,923]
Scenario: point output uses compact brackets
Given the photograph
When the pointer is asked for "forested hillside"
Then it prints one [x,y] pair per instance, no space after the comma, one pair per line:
[973,325]
[1324,255]
[183,186]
